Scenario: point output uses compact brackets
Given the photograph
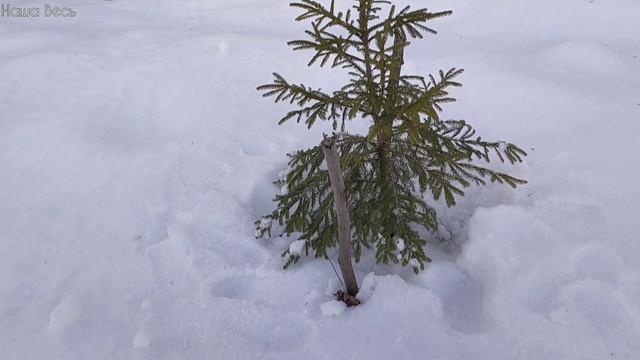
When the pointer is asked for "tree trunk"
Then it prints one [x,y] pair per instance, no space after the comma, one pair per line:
[342,210]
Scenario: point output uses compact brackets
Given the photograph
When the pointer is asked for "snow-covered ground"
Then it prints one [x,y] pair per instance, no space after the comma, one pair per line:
[135,155]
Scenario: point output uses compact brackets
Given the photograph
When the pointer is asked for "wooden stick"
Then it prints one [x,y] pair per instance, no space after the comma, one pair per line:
[342,209]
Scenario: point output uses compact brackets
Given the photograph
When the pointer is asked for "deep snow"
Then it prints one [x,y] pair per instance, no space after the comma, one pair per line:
[135,155]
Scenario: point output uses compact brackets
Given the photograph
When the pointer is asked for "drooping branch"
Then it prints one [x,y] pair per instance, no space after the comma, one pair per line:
[313,104]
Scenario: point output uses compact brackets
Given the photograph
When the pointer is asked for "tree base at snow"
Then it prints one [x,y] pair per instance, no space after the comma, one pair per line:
[347,299]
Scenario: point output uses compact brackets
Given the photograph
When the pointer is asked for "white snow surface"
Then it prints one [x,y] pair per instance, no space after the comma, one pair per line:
[135,155]
[332,308]
[297,247]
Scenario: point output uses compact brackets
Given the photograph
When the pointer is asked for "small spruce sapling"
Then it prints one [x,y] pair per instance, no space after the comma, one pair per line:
[409,151]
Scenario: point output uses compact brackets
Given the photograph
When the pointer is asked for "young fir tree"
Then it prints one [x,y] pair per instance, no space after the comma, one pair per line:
[410,155]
